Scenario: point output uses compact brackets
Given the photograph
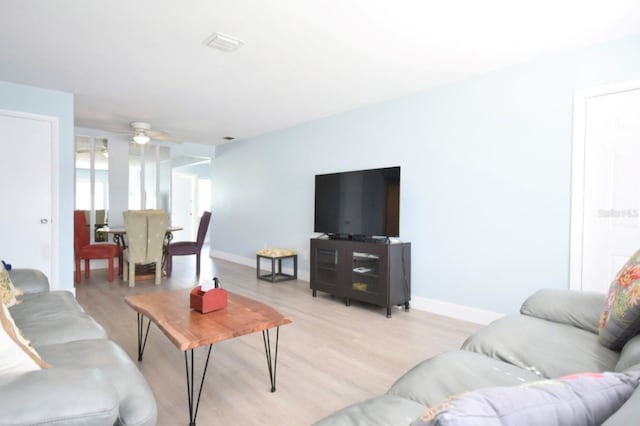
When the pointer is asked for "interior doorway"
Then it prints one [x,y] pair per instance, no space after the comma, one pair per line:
[183,207]
[605,210]
[191,196]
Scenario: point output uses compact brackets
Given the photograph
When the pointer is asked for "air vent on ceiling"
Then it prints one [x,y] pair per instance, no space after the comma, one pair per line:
[223,42]
[228,138]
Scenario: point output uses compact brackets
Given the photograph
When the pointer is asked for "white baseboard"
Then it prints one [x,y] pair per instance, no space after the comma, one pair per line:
[302,275]
[461,312]
[233,258]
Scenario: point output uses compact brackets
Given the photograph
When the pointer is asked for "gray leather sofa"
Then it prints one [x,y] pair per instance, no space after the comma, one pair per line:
[92,381]
[555,334]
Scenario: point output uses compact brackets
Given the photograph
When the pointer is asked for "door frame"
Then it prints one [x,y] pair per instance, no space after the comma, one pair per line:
[54,179]
[580,98]
[192,226]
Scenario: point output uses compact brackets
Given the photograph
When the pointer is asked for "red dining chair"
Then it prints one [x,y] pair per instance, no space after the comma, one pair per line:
[86,251]
[185,248]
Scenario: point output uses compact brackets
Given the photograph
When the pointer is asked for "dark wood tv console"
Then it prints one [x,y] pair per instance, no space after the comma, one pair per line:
[377,273]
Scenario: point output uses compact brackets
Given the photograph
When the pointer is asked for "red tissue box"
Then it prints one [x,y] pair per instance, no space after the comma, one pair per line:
[208,301]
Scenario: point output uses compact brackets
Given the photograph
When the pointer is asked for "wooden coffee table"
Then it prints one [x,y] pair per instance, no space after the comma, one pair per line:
[188,329]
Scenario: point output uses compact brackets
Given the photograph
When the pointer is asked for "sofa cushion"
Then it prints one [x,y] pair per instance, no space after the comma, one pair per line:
[583,399]
[580,309]
[620,320]
[42,306]
[379,411]
[58,397]
[29,280]
[137,404]
[55,317]
[62,328]
[449,373]
[546,348]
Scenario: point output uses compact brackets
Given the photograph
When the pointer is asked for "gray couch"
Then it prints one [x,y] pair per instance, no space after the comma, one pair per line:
[556,334]
[92,381]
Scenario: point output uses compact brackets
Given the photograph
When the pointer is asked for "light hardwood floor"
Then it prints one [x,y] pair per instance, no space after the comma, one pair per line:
[329,357]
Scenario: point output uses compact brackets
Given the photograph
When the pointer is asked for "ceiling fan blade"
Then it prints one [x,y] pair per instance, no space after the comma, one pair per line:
[162,136]
[118,131]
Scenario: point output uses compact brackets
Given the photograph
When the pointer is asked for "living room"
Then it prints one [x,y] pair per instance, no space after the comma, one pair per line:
[486,174]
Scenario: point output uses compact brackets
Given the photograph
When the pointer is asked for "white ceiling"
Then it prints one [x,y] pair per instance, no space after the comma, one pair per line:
[302,60]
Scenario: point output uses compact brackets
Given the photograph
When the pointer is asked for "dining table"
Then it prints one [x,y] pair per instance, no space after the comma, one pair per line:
[118,235]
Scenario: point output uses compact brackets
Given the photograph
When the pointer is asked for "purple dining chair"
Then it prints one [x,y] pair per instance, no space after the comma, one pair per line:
[186,248]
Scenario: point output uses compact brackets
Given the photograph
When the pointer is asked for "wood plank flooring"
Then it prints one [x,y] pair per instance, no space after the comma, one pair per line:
[330,356]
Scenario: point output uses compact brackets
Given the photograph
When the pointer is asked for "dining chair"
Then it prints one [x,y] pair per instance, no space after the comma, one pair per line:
[186,248]
[84,250]
[146,230]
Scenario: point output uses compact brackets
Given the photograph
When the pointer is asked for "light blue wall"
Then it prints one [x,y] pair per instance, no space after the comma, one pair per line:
[16,97]
[486,163]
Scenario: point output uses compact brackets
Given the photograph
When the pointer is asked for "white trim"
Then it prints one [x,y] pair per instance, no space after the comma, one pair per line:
[233,258]
[302,275]
[580,98]
[55,201]
[54,278]
[577,190]
[453,310]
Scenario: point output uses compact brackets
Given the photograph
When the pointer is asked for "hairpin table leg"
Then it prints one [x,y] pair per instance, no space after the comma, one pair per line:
[271,362]
[142,342]
[193,411]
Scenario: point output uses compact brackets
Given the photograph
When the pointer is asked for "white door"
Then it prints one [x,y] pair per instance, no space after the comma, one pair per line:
[611,190]
[25,173]
[183,201]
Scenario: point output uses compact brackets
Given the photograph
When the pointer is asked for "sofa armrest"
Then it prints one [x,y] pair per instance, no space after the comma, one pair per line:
[58,396]
[29,280]
[580,309]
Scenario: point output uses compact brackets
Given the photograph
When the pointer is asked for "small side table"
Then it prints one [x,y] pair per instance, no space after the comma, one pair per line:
[278,254]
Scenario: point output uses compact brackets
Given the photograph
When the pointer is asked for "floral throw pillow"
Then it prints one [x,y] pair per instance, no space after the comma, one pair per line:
[620,320]
[8,292]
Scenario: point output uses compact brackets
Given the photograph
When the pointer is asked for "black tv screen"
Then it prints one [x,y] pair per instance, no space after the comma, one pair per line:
[358,203]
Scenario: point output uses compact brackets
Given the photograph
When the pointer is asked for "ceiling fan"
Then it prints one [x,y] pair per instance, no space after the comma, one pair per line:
[142,133]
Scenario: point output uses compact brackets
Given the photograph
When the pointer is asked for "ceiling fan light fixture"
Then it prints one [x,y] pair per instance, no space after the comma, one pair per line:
[141,138]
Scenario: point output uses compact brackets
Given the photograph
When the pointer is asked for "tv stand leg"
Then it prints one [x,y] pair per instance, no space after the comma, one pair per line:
[347,302]
[406,306]
[313,292]
[388,311]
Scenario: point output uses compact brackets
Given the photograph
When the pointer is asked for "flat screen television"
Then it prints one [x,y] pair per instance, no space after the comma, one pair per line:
[362,203]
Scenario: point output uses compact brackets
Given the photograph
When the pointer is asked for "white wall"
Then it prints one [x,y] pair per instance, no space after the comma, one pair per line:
[485,177]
